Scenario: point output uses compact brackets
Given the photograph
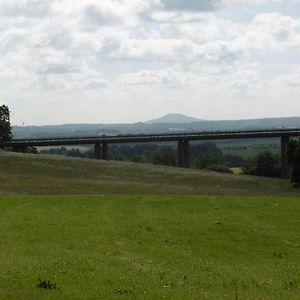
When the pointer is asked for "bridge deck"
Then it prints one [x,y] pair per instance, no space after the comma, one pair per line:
[196,136]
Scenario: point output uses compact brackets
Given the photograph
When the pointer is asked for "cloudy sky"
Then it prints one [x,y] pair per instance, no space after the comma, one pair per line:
[107,61]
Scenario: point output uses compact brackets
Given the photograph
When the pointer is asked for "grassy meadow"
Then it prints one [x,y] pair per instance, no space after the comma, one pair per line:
[53,175]
[149,247]
[82,229]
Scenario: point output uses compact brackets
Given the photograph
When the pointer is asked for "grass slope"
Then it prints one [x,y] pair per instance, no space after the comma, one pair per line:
[44,175]
[149,247]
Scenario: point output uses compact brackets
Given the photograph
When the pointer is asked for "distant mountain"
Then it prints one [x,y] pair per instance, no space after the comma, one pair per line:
[174,118]
[154,127]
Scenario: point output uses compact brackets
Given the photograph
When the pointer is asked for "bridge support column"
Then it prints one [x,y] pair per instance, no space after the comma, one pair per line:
[183,154]
[104,152]
[284,163]
[98,151]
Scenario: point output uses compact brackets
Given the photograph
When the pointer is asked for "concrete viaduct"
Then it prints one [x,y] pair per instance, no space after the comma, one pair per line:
[183,139]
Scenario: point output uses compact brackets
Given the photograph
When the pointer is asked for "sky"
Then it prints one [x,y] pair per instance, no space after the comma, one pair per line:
[111,61]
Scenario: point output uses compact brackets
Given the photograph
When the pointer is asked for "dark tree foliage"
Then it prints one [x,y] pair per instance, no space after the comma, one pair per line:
[64,151]
[205,148]
[233,161]
[293,157]
[206,160]
[140,159]
[31,149]
[264,164]
[165,156]
[5,128]
[209,156]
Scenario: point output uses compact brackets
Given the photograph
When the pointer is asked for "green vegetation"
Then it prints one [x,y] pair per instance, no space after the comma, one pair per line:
[5,128]
[249,147]
[39,174]
[202,155]
[149,247]
[220,168]
[264,164]
[95,245]
[237,170]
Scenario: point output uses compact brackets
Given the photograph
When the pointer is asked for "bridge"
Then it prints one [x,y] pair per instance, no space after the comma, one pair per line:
[183,139]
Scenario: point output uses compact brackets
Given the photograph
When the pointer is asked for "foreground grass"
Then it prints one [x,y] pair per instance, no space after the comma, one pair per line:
[44,175]
[125,247]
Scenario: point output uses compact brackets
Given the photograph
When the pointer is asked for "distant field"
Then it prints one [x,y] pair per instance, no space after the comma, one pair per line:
[150,247]
[48,175]
[250,147]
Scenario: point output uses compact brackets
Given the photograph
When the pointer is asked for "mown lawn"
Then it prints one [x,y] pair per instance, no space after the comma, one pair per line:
[150,247]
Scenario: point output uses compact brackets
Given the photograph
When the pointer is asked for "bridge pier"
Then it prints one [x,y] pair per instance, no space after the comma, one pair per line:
[284,162]
[104,152]
[183,154]
[98,151]
[101,151]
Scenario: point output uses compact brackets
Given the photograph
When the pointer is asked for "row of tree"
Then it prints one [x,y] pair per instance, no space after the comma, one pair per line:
[202,156]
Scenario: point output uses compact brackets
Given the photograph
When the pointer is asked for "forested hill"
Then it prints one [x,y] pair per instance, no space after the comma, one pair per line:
[147,128]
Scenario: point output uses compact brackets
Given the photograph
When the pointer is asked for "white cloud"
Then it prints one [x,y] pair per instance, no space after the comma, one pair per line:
[118,51]
[231,3]
[164,77]
[25,8]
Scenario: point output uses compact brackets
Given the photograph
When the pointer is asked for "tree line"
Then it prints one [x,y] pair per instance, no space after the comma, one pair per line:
[202,156]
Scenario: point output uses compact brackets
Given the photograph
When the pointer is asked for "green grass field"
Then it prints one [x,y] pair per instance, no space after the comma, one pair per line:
[179,247]
[104,230]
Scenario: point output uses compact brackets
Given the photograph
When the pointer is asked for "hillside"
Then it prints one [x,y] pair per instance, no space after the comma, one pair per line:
[38,174]
[174,118]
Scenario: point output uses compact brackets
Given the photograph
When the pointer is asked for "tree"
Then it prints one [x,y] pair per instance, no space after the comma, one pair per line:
[5,128]
[205,148]
[165,155]
[205,160]
[233,161]
[264,164]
